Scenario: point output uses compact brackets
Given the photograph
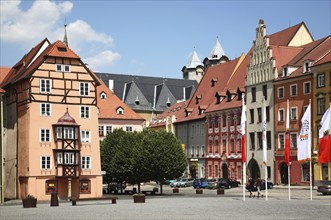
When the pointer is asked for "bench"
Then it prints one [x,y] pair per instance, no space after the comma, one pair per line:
[75,200]
[152,192]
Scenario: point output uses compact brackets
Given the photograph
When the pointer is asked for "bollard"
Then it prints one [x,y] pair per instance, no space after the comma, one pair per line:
[54,199]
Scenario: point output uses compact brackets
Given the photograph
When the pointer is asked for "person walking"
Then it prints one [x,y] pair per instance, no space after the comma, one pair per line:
[250,187]
[258,187]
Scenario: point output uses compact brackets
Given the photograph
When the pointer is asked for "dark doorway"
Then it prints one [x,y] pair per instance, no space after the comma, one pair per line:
[283,173]
[225,170]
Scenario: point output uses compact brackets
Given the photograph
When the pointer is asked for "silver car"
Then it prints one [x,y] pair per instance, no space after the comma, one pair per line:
[325,188]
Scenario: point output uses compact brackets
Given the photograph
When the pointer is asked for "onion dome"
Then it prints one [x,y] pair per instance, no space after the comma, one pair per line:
[66,119]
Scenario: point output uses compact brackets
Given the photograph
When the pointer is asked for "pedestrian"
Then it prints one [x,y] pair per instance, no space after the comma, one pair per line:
[250,187]
[258,187]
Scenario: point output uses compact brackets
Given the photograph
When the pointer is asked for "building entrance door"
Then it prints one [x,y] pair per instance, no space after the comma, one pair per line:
[283,173]
[225,170]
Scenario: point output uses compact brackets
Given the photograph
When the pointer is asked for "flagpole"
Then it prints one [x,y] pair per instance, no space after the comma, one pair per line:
[310,164]
[244,181]
[289,181]
[266,181]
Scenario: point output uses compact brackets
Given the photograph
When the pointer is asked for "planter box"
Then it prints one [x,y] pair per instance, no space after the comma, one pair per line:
[199,191]
[29,203]
[220,191]
[175,190]
[139,199]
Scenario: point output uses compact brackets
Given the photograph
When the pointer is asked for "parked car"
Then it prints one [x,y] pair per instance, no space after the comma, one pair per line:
[113,187]
[185,182]
[214,183]
[228,183]
[325,188]
[200,183]
[174,183]
[269,184]
[167,182]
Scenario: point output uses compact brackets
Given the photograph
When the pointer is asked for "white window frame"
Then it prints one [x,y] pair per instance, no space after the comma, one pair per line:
[319,82]
[84,111]
[63,68]
[294,141]
[66,66]
[296,114]
[68,133]
[101,128]
[69,158]
[84,89]
[306,68]
[304,88]
[279,144]
[127,128]
[45,109]
[108,130]
[47,88]
[45,135]
[85,136]
[59,158]
[279,93]
[58,69]
[296,90]
[120,111]
[279,118]
[45,162]
[86,162]
[59,132]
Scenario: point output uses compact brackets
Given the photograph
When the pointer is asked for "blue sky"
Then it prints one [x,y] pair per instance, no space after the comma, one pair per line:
[151,38]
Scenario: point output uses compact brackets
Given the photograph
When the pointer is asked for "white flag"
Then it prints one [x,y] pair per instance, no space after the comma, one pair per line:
[304,139]
[264,134]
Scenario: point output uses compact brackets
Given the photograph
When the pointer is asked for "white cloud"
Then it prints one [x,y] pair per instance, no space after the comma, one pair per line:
[102,61]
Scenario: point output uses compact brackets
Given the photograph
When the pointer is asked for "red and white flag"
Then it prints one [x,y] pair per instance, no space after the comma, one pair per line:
[243,134]
[287,135]
[324,152]
[304,139]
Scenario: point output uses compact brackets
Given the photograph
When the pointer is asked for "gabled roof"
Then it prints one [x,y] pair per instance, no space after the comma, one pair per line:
[3,73]
[37,55]
[150,88]
[224,72]
[107,107]
[284,37]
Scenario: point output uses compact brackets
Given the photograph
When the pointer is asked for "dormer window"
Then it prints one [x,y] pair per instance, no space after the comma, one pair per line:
[213,82]
[229,97]
[62,49]
[285,71]
[103,95]
[306,66]
[197,98]
[120,111]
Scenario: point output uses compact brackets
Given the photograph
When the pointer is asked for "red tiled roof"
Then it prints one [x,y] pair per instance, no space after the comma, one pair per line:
[325,59]
[108,106]
[223,72]
[283,55]
[284,37]
[3,73]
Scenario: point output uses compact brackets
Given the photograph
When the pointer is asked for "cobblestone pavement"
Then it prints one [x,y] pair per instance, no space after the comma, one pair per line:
[185,205]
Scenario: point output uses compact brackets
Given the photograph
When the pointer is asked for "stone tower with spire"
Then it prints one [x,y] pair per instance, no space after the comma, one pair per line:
[194,68]
[216,56]
[65,38]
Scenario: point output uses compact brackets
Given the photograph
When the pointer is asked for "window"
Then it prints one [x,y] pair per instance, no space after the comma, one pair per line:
[69,158]
[252,140]
[45,135]
[253,94]
[294,113]
[85,136]
[260,142]
[120,111]
[293,140]
[216,121]
[45,85]
[306,67]
[59,158]
[224,121]
[268,140]
[285,71]
[103,95]
[109,129]
[128,128]
[281,92]
[216,145]
[45,162]
[265,91]
[84,89]
[293,90]
[45,109]
[281,141]
[306,88]
[232,146]
[267,109]
[68,133]
[85,186]
[84,111]
[320,106]
[101,131]
[281,114]
[66,68]
[58,67]
[251,112]
[216,171]
[61,67]
[210,170]
[59,132]
[321,80]
[259,115]
[86,162]
[305,172]
[269,172]
[238,145]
